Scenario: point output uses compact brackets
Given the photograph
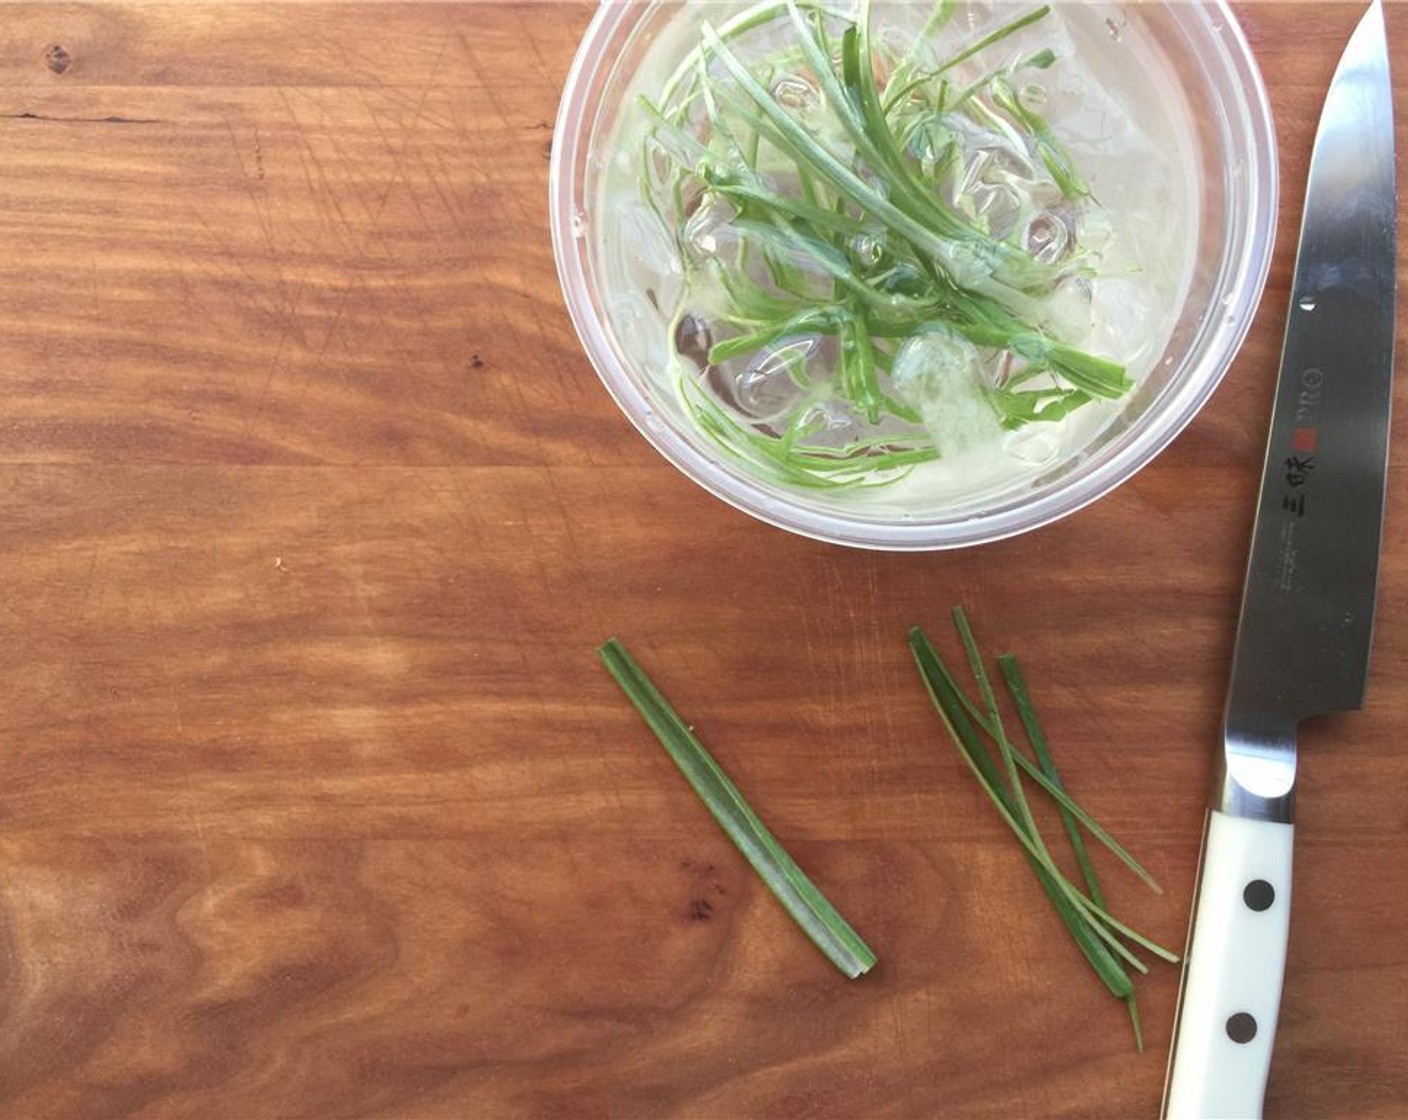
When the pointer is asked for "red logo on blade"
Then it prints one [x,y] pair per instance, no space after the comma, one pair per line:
[1303,439]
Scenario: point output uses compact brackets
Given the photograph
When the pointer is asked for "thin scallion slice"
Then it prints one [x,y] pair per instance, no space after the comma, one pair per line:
[819,920]
[1100,936]
[961,729]
[1017,685]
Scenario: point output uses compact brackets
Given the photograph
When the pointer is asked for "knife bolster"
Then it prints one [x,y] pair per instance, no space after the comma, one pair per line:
[1256,777]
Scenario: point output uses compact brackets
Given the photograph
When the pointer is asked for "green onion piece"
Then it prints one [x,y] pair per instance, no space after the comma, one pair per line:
[1053,155]
[997,36]
[1004,747]
[1070,811]
[942,691]
[1104,917]
[1098,917]
[1093,906]
[1028,833]
[1099,935]
[817,917]
[942,13]
[1069,808]
[843,223]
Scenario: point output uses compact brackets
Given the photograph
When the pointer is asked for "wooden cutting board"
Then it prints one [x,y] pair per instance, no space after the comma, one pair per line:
[314,801]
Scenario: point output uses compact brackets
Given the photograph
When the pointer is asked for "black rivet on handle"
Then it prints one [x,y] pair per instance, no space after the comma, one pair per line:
[1241,1027]
[1259,895]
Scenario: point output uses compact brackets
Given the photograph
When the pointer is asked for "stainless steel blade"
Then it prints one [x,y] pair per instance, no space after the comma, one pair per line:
[1308,609]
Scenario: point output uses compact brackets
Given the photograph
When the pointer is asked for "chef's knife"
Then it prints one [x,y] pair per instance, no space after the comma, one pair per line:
[1308,608]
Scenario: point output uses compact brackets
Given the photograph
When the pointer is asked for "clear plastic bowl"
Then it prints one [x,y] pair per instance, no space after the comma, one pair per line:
[1230,162]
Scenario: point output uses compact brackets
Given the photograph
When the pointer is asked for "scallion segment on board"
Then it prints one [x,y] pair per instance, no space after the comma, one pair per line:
[1108,944]
[819,920]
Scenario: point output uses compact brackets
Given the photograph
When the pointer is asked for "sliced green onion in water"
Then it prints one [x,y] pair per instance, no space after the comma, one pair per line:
[851,217]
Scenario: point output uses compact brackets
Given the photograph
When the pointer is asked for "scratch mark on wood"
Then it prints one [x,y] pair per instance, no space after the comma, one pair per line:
[397,161]
[526,35]
[30,115]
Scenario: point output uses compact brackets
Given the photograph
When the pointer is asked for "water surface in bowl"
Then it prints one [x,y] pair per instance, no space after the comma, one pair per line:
[1120,111]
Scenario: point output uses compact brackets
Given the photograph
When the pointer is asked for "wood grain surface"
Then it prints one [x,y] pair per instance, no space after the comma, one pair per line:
[314,801]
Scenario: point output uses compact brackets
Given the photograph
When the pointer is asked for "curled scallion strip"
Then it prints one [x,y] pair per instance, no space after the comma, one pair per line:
[848,224]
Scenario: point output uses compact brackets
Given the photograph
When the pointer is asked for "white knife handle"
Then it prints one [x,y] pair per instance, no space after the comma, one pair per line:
[1232,976]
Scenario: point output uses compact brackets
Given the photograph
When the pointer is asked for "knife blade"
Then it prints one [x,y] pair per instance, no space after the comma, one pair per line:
[1306,624]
